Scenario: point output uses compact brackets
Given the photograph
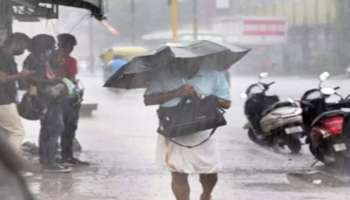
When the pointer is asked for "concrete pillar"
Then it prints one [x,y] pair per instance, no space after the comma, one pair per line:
[5,19]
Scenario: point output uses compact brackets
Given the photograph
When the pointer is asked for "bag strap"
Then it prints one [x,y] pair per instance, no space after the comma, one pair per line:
[196,145]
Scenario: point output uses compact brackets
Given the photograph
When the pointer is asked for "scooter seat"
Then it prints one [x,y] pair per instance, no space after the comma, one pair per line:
[278,105]
[280,117]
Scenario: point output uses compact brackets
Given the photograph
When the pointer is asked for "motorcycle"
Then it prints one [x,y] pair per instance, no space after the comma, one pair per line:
[271,121]
[327,123]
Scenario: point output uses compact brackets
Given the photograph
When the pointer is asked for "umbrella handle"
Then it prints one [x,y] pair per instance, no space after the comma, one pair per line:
[200,94]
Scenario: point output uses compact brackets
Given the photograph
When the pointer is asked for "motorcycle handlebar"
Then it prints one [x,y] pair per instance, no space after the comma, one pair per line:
[265,86]
[269,84]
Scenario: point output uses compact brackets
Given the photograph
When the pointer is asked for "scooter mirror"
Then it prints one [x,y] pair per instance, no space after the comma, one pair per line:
[324,76]
[328,91]
[244,95]
[263,75]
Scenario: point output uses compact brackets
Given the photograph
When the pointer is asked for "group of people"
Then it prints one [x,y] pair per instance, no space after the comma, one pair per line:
[45,74]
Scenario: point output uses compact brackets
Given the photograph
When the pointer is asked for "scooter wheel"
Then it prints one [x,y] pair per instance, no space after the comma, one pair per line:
[294,145]
[253,137]
[319,153]
[315,153]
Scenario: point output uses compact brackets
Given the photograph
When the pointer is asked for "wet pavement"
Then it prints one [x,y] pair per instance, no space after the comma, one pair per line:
[120,139]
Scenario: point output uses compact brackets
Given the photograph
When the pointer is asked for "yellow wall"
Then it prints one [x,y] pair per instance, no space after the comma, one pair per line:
[298,12]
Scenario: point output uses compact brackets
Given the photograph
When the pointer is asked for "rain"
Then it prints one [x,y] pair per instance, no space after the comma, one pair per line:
[96,130]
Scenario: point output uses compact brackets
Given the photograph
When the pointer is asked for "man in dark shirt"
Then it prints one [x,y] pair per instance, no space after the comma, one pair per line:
[10,122]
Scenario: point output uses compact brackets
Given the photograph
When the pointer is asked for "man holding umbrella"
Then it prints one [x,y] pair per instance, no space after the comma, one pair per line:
[171,75]
[167,90]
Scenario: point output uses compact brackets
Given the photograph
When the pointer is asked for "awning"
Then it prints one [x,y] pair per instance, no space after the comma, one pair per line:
[30,9]
[95,6]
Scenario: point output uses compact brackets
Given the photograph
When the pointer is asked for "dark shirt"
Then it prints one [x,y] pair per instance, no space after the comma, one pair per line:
[36,64]
[42,67]
[8,91]
[46,77]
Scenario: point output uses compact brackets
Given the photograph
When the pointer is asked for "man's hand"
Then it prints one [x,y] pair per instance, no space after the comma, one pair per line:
[3,77]
[186,90]
[159,98]
[25,73]
[225,104]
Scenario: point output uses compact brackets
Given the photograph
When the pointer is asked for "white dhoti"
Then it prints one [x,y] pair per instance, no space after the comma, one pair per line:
[11,125]
[203,159]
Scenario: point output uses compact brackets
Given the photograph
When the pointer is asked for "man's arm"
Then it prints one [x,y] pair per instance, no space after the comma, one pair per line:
[159,98]
[5,78]
[225,104]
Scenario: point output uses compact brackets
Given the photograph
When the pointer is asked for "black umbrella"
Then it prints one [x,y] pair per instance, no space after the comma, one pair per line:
[132,75]
[138,72]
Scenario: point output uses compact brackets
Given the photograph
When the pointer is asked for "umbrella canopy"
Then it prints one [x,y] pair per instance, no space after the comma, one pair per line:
[138,72]
[132,75]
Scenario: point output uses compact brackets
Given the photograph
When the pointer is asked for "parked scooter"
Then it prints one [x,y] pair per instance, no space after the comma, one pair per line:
[327,123]
[271,121]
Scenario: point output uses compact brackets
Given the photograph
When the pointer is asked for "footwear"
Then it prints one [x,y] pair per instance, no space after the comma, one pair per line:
[56,168]
[64,163]
[74,161]
[203,198]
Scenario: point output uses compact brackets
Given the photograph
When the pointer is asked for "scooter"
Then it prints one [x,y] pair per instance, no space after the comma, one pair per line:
[271,121]
[327,123]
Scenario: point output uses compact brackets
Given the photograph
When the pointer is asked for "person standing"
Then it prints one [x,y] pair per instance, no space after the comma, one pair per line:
[71,105]
[10,122]
[167,90]
[47,83]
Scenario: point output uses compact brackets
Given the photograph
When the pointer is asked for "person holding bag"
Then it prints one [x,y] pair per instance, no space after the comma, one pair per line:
[192,153]
[48,85]
[71,106]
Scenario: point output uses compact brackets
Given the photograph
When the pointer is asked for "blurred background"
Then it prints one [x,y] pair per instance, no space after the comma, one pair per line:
[287,36]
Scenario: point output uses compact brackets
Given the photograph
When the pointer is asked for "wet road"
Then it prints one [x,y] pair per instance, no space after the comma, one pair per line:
[120,142]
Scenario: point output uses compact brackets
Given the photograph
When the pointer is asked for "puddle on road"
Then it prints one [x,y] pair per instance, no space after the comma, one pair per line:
[318,178]
[269,186]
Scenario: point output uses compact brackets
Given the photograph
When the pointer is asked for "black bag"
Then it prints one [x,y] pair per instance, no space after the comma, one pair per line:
[190,116]
[31,107]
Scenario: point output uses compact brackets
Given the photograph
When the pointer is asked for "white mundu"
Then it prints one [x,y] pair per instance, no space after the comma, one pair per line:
[11,125]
